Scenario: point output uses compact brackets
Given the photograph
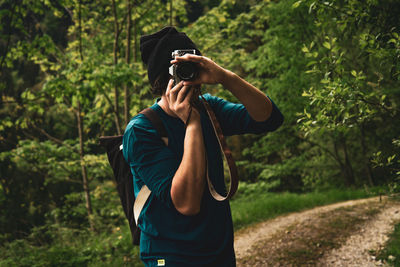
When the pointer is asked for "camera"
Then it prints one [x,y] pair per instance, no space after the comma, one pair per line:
[183,71]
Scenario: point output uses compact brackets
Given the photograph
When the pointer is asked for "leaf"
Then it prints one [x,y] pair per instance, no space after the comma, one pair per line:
[297,4]
[354,73]
[312,62]
[324,81]
[311,8]
[327,45]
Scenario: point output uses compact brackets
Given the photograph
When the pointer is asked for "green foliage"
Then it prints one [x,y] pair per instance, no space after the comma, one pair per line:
[65,238]
[73,248]
[390,161]
[352,60]
[391,252]
[20,253]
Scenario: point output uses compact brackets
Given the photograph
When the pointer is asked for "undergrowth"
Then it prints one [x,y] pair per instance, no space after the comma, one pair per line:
[113,247]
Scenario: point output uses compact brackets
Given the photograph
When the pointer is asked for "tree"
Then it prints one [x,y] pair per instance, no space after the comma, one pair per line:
[354,61]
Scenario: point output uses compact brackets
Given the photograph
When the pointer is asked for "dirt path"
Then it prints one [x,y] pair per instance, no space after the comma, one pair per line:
[342,234]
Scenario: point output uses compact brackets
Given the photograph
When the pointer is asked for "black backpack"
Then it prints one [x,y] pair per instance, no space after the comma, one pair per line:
[122,171]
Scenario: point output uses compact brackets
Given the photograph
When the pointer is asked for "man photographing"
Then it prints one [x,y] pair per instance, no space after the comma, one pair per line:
[181,223]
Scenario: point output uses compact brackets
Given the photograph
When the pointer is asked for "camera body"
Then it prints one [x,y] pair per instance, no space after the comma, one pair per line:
[183,71]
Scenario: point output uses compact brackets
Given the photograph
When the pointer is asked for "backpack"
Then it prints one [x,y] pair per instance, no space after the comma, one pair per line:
[123,176]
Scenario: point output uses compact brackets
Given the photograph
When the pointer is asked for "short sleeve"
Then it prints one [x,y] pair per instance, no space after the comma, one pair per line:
[152,161]
[235,119]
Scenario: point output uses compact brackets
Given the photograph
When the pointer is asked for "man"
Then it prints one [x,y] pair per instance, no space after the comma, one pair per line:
[181,223]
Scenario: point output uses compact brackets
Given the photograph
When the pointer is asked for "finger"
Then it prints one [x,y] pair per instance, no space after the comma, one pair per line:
[189,57]
[169,87]
[193,58]
[182,94]
[189,96]
[174,91]
[192,82]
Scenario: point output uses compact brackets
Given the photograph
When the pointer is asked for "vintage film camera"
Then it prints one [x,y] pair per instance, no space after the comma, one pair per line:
[183,71]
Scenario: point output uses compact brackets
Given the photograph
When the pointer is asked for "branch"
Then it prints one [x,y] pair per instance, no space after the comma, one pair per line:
[135,4]
[69,12]
[8,37]
[43,33]
[320,146]
[374,104]
[145,12]
[28,135]
[68,179]
[80,30]
[52,138]
[116,27]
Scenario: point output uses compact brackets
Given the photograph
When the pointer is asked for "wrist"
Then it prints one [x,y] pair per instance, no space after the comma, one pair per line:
[226,77]
[194,120]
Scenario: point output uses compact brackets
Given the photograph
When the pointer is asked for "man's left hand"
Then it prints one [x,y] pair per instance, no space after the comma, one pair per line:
[209,71]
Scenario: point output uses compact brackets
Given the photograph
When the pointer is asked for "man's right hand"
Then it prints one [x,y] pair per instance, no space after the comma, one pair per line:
[179,101]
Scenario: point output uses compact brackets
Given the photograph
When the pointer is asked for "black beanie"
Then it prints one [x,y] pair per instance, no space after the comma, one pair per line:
[157,48]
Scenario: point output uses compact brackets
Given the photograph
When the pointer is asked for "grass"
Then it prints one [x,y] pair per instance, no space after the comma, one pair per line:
[391,253]
[247,210]
[80,249]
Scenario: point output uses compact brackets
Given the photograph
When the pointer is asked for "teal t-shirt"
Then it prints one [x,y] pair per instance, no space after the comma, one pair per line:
[204,239]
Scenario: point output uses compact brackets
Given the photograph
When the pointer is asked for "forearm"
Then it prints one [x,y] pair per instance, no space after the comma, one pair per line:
[256,102]
[189,180]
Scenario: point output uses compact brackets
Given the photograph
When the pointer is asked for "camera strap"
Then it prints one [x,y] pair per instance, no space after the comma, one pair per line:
[233,173]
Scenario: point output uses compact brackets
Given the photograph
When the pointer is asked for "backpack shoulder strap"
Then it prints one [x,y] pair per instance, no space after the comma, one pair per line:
[145,192]
[155,119]
[140,200]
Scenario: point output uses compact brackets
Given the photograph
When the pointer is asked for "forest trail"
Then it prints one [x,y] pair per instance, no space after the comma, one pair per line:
[342,234]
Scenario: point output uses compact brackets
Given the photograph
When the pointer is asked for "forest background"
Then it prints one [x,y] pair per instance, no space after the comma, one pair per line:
[71,71]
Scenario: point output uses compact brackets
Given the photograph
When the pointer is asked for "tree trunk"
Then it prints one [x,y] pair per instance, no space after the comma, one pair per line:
[79,120]
[170,13]
[367,164]
[337,156]
[83,167]
[135,51]
[128,61]
[349,168]
[115,52]
[135,47]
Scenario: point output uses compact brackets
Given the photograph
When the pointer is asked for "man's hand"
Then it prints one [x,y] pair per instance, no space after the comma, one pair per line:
[209,71]
[179,101]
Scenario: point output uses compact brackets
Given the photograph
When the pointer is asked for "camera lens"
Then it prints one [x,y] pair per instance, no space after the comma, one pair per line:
[186,71]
